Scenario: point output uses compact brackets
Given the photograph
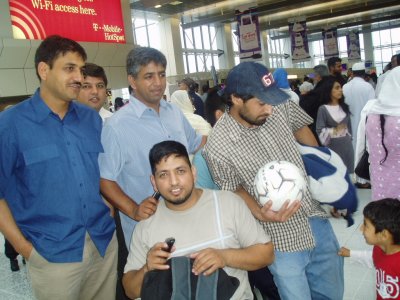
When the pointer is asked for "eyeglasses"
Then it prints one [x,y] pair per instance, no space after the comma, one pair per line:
[99,86]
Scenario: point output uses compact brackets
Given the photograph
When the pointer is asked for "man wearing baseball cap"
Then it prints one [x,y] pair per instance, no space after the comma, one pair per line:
[261,126]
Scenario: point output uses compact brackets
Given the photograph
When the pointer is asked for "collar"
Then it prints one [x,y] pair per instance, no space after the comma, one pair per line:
[139,108]
[235,128]
[42,111]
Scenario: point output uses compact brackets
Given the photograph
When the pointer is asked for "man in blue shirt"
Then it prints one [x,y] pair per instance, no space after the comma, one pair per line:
[129,135]
[51,209]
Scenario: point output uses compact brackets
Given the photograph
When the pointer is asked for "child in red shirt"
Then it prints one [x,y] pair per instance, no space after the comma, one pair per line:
[381,229]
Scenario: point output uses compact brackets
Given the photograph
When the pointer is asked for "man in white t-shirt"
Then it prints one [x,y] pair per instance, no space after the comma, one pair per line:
[215,228]
[93,92]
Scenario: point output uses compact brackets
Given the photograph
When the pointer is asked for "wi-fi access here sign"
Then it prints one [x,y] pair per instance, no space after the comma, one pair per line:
[80,20]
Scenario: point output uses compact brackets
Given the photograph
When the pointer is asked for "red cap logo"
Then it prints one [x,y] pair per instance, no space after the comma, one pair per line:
[267,80]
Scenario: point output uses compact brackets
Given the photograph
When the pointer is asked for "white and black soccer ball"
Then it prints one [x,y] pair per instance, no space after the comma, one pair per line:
[279,181]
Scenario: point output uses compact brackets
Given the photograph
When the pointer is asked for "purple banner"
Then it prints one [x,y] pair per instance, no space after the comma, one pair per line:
[329,39]
[299,41]
[353,46]
[249,35]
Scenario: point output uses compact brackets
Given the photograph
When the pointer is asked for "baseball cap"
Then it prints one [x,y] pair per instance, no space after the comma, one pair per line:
[360,66]
[250,78]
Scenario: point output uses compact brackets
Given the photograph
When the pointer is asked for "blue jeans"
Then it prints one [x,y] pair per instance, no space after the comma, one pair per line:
[312,274]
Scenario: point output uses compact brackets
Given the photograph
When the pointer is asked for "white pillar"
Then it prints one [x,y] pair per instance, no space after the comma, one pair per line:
[172,46]
[224,42]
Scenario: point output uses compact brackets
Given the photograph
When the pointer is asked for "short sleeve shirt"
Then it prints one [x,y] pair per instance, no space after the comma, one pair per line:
[235,153]
[219,219]
[127,138]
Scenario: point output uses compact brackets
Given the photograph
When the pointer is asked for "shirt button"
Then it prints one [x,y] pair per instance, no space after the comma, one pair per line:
[81,184]
[84,205]
[68,143]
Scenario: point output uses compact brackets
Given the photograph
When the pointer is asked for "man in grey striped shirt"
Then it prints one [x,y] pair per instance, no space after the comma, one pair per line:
[260,126]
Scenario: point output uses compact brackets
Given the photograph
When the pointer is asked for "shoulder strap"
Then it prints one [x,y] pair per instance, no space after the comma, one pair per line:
[218,219]
[207,286]
[181,270]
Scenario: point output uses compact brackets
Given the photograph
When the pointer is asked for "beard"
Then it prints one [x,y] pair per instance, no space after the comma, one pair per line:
[252,121]
[179,201]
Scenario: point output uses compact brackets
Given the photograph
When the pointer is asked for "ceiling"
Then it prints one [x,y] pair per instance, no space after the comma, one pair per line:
[274,14]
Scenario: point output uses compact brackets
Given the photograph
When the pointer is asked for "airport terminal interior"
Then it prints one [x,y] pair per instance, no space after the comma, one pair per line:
[200,40]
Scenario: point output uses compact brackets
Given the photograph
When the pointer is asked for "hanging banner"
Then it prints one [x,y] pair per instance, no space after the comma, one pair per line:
[299,41]
[80,20]
[353,46]
[329,39]
[249,35]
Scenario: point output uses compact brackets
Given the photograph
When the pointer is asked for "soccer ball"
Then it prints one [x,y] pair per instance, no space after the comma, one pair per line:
[279,181]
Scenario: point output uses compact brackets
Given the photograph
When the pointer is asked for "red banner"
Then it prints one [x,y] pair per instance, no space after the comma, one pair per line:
[80,20]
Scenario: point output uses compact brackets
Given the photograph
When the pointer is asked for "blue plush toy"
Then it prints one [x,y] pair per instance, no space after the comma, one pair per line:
[329,180]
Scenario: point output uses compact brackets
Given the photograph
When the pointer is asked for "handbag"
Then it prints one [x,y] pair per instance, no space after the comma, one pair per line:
[362,168]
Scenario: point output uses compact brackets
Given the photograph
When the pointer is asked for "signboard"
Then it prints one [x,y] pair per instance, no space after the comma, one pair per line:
[353,46]
[249,35]
[329,39]
[299,40]
[80,20]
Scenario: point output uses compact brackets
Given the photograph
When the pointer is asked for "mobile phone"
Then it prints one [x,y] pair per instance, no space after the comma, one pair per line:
[156,195]
[170,242]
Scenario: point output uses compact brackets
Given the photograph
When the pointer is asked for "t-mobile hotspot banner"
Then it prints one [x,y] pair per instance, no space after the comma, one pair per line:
[80,20]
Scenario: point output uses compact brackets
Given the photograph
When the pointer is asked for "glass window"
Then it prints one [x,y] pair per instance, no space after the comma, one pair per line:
[192,63]
[197,38]
[395,33]
[141,36]
[154,36]
[189,38]
[200,63]
[385,37]
[206,37]
[213,36]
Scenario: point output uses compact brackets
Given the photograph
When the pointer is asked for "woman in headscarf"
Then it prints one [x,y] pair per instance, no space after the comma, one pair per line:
[380,123]
[182,100]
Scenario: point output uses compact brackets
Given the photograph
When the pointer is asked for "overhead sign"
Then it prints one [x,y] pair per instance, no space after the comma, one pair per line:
[353,46]
[80,20]
[249,34]
[329,39]
[299,40]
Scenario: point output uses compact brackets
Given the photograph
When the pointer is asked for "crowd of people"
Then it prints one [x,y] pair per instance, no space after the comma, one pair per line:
[89,198]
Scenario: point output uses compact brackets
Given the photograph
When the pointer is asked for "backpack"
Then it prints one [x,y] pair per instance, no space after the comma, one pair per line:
[179,283]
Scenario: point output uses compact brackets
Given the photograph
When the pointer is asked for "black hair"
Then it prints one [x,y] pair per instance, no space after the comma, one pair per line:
[326,89]
[118,103]
[94,70]
[52,47]
[397,58]
[228,100]
[332,61]
[359,73]
[142,56]
[213,103]
[190,83]
[385,214]
[164,150]
[382,121]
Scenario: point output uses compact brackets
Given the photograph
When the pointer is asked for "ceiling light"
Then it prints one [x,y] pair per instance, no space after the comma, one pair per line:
[158,6]
[175,2]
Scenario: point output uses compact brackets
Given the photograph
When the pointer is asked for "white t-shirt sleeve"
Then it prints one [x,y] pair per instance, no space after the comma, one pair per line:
[137,250]
[363,257]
